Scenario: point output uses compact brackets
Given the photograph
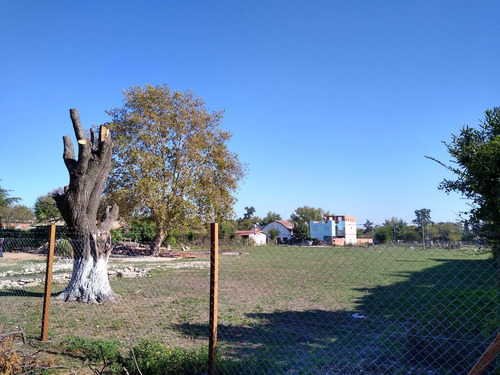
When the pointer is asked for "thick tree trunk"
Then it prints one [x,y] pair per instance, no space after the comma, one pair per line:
[78,206]
[156,244]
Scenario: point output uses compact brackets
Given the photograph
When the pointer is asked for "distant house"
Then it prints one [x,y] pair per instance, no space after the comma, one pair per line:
[335,230]
[253,237]
[16,225]
[284,227]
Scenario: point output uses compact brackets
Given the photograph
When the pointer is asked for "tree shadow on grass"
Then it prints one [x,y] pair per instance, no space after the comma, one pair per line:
[438,320]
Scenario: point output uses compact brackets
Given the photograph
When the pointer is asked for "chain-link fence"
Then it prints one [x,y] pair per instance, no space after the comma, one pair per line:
[383,309]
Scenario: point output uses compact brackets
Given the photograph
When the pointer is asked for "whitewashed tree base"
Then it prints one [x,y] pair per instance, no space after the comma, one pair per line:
[89,282]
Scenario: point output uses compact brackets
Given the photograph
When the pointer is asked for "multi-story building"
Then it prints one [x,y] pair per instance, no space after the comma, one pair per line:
[335,229]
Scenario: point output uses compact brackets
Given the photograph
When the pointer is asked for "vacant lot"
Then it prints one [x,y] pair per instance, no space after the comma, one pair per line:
[310,309]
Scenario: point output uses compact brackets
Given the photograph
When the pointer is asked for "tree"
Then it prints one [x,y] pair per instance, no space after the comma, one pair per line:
[301,218]
[6,199]
[46,208]
[172,161]
[383,234]
[398,227]
[274,234]
[301,231]
[270,217]
[16,213]
[249,211]
[305,214]
[475,156]
[422,219]
[78,205]
[369,227]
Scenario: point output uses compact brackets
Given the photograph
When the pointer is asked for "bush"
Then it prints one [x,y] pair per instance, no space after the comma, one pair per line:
[97,351]
[64,248]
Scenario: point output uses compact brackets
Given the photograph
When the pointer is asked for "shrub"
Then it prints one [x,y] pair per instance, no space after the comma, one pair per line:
[64,248]
[98,351]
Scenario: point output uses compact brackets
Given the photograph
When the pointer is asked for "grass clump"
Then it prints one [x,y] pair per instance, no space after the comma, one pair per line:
[103,353]
[155,358]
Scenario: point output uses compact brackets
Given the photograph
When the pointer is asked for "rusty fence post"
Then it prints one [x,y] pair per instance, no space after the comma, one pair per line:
[214,281]
[48,283]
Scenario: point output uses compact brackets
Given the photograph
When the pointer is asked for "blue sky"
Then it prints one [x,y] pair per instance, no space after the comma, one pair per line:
[332,104]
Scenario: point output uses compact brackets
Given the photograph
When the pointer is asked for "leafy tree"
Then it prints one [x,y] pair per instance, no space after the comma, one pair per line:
[383,234]
[274,234]
[11,214]
[475,156]
[301,231]
[398,227]
[6,199]
[249,211]
[46,208]
[448,232]
[368,227]
[172,161]
[422,219]
[270,217]
[301,218]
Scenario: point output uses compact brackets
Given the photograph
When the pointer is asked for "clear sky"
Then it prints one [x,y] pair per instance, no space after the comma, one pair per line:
[332,104]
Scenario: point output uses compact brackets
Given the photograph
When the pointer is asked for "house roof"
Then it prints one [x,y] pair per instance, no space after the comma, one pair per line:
[287,224]
[247,232]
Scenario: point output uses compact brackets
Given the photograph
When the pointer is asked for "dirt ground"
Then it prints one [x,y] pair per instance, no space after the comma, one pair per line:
[16,257]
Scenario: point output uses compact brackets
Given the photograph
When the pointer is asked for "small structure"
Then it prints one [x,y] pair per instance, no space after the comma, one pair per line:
[335,230]
[284,227]
[252,237]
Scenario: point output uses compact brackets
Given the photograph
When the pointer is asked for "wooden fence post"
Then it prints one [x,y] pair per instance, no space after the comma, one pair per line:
[488,356]
[214,281]
[48,283]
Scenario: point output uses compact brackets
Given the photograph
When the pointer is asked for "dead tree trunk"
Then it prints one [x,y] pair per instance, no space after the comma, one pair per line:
[78,206]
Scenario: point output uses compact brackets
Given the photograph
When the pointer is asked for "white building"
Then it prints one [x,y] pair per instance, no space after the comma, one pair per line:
[252,237]
[284,227]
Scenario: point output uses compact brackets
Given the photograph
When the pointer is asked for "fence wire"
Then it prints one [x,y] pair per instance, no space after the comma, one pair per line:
[383,309]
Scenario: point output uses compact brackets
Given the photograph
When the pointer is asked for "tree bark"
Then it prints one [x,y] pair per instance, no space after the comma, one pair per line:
[157,241]
[78,205]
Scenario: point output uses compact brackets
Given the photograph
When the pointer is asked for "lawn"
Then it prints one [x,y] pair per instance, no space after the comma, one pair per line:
[319,310]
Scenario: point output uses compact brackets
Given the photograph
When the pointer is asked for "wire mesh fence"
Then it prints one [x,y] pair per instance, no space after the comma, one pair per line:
[383,309]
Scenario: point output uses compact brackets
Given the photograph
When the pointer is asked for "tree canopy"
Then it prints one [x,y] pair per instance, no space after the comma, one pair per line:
[46,208]
[270,217]
[475,161]
[171,159]
[6,199]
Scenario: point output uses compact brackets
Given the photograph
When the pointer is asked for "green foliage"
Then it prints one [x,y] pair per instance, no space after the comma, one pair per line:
[270,217]
[6,199]
[475,153]
[422,218]
[171,159]
[249,211]
[274,233]
[141,231]
[226,229]
[46,209]
[155,358]
[301,218]
[368,227]
[64,248]
[9,214]
[383,234]
[98,351]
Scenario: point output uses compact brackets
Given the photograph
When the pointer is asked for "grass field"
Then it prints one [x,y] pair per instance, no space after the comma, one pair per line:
[318,310]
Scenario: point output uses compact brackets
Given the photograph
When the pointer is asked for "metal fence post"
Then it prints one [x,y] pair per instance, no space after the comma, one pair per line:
[214,280]
[48,283]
